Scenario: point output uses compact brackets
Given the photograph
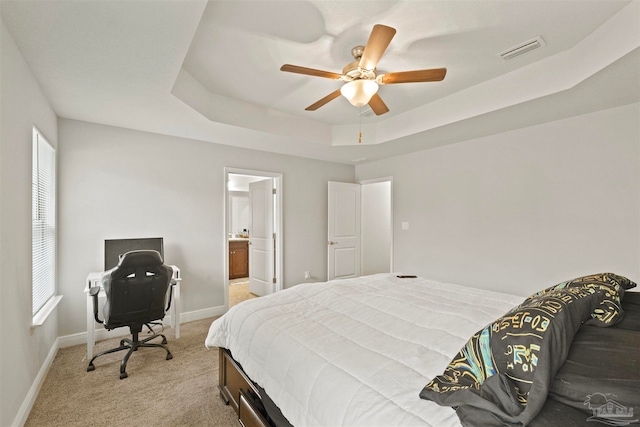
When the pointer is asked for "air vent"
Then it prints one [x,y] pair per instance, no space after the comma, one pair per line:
[522,48]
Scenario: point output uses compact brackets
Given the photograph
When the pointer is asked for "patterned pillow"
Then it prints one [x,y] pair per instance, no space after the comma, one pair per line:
[608,313]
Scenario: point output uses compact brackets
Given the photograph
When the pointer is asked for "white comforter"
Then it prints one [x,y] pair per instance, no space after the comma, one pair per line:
[356,352]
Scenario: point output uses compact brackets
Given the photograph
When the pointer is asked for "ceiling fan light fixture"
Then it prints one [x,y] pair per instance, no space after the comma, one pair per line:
[359,92]
[361,77]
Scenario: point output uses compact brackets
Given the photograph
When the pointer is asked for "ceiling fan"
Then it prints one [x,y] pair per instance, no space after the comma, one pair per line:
[362,82]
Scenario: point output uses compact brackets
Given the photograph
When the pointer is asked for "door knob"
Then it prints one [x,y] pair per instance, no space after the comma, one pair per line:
[332,243]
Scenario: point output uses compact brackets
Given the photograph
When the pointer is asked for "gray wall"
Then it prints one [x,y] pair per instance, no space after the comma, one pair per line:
[522,210]
[119,183]
[22,350]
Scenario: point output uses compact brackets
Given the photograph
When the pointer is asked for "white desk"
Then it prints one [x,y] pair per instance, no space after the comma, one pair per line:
[93,279]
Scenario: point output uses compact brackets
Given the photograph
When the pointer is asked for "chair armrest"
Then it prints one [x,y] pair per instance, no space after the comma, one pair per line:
[93,292]
[171,285]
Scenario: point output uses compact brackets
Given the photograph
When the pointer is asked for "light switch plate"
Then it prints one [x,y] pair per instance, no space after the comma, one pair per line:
[405,225]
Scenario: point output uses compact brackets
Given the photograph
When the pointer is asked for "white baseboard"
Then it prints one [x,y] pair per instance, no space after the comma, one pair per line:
[102,334]
[32,394]
[201,314]
[81,338]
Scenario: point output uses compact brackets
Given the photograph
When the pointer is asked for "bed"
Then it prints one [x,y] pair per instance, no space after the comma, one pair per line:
[360,351]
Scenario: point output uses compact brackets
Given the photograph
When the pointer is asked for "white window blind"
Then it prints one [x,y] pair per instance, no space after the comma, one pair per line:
[43,221]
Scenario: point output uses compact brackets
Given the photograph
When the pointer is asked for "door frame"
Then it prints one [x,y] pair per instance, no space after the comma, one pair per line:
[278,225]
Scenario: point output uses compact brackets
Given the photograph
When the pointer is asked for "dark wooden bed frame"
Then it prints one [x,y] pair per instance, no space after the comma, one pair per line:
[238,391]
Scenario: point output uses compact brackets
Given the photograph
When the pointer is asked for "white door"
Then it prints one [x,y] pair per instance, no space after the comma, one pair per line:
[343,240]
[261,239]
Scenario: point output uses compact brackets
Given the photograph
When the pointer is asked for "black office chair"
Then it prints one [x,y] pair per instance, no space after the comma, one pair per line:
[136,292]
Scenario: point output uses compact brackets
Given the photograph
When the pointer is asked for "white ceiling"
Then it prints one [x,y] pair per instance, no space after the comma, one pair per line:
[210,70]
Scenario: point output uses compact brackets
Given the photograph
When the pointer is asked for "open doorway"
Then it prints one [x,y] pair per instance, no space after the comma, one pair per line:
[253,234]
[376,226]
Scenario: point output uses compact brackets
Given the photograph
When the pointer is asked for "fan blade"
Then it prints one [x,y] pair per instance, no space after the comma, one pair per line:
[310,71]
[379,39]
[432,75]
[377,105]
[330,97]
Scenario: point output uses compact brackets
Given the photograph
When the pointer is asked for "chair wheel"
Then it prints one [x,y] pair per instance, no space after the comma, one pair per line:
[123,375]
[91,368]
[169,356]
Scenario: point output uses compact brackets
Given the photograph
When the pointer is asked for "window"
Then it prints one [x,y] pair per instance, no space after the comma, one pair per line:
[43,215]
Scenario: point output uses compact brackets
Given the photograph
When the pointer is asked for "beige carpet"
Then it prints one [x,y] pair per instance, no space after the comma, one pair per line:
[158,392]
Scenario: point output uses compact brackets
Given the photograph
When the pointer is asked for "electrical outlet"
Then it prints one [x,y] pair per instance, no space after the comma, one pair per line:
[405,225]
[307,275]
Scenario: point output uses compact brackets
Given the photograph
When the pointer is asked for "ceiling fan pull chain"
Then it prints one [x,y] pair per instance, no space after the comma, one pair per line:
[360,126]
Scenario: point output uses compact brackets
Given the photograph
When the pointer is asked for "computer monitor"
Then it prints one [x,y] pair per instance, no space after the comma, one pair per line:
[113,248]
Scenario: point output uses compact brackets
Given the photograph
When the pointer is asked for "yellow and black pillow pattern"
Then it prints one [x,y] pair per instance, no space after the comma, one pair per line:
[503,374]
